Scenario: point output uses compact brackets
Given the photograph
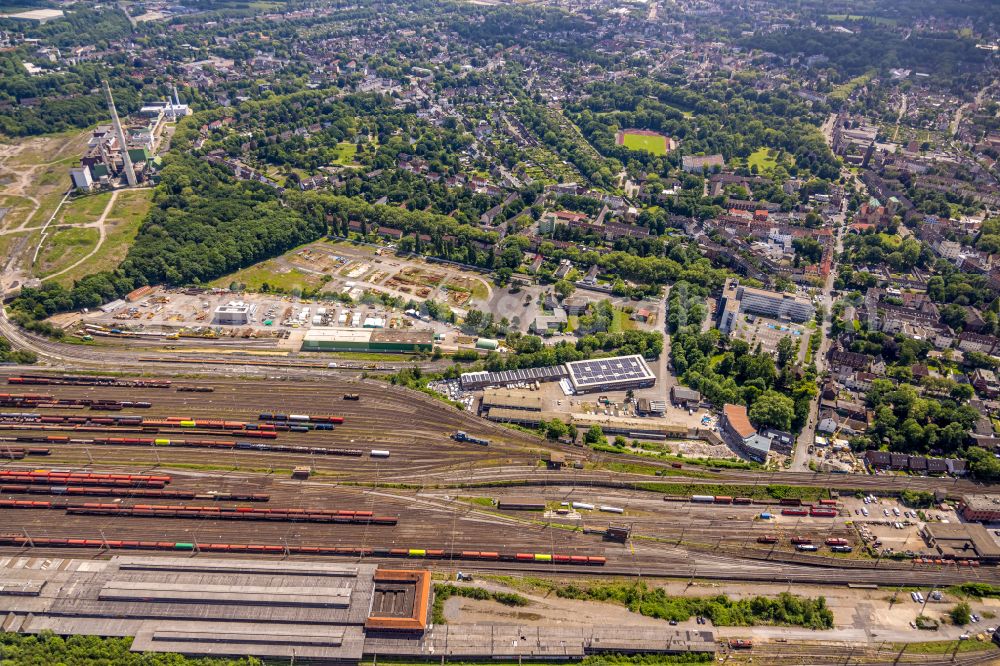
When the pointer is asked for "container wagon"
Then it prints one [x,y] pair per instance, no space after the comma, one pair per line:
[841,549]
[742,500]
[836,542]
[767,538]
[790,501]
[795,512]
[806,548]
[723,499]
[352,396]
[801,540]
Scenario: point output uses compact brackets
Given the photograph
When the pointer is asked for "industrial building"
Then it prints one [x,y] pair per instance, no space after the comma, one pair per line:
[473,381]
[308,611]
[235,313]
[499,397]
[737,300]
[962,541]
[331,338]
[980,508]
[741,435]
[618,373]
[684,396]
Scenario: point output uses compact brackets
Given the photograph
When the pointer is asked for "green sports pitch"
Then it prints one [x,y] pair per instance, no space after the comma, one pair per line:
[651,143]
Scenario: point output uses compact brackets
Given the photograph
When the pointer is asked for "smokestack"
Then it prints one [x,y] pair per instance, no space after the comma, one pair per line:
[129,171]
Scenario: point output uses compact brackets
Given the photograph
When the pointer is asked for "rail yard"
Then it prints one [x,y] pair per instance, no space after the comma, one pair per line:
[353,470]
[386,479]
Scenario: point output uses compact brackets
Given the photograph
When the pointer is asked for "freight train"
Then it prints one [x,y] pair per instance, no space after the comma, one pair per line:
[300,418]
[18,452]
[74,380]
[261,447]
[20,540]
[225,513]
[105,491]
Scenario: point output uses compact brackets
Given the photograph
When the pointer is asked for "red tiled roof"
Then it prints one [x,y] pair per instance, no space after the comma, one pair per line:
[736,416]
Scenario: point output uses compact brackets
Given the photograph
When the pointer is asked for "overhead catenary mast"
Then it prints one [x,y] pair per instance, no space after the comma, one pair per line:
[129,171]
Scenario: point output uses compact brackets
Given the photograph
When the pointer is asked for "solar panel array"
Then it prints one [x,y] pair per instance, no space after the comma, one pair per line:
[474,380]
[609,370]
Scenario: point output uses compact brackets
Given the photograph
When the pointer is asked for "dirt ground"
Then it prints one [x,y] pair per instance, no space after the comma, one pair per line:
[883,613]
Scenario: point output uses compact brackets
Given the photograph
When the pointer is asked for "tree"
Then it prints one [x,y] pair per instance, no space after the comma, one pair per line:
[961,614]
[786,351]
[564,288]
[774,410]
[595,435]
[555,429]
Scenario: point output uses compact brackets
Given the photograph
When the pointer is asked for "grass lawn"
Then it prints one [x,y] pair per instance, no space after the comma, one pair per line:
[621,322]
[651,144]
[269,272]
[121,227]
[63,248]
[346,152]
[763,158]
[83,210]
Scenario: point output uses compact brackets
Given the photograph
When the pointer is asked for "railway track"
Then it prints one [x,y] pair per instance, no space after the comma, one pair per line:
[819,653]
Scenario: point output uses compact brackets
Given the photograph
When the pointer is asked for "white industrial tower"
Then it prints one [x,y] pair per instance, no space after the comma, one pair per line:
[129,171]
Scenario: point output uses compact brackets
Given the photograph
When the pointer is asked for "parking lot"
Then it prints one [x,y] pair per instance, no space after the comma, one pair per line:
[755,329]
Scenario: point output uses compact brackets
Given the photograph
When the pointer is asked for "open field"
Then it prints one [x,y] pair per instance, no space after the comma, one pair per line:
[63,247]
[273,275]
[83,210]
[121,227]
[17,208]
